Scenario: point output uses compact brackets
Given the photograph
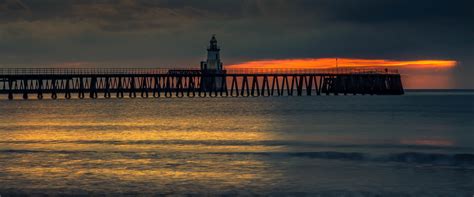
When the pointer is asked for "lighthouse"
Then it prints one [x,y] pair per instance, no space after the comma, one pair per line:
[212,68]
[213,63]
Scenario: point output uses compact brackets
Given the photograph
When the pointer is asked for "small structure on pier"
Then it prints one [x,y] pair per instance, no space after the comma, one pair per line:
[212,68]
[213,62]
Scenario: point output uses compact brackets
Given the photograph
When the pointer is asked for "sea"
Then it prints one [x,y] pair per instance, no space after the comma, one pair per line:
[418,144]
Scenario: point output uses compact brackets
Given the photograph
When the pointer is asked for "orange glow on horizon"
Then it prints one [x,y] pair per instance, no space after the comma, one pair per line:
[326,63]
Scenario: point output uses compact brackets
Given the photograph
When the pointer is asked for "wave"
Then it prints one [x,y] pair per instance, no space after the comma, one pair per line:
[442,159]
[461,159]
[241,143]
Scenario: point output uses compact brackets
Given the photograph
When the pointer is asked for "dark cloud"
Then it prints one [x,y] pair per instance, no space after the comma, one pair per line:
[175,32]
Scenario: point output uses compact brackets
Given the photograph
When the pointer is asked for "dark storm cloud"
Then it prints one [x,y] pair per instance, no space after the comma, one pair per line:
[174,32]
[350,11]
[373,11]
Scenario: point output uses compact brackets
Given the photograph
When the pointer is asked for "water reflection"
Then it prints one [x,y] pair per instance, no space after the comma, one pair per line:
[145,172]
[189,146]
[102,147]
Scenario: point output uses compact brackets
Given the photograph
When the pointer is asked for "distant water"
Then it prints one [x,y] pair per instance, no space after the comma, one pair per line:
[419,144]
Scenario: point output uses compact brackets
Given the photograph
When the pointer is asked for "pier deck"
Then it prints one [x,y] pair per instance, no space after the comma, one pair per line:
[146,82]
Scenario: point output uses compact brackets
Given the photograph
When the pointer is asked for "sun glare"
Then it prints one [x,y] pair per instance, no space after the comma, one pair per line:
[325,63]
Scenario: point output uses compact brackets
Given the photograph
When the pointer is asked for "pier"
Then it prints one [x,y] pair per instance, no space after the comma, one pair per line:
[67,83]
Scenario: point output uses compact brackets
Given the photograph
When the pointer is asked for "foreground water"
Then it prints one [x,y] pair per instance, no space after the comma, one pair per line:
[417,144]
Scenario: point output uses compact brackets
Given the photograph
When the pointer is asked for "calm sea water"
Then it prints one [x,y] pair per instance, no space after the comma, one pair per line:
[418,144]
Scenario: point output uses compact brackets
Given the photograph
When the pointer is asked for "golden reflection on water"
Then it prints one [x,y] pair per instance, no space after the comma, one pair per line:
[130,135]
[218,169]
[218,172]
[210,171]
[137,140]
[36,128]
[166,150]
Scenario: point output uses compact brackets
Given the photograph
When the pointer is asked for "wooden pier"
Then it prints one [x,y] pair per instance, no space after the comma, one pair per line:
[119,83]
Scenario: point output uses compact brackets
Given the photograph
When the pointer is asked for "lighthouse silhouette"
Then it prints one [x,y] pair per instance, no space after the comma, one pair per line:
[212,69]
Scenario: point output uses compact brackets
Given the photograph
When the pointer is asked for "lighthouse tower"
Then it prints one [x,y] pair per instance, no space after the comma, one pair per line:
[211,69]
[213,63]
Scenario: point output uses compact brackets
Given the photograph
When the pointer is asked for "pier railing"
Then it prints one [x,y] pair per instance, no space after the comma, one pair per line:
[80,71]
[102,71]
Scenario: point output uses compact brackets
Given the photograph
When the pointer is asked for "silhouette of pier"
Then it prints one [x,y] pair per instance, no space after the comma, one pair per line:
[147,82]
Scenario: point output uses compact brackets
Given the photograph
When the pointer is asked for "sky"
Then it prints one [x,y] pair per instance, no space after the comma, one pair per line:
[174,33]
